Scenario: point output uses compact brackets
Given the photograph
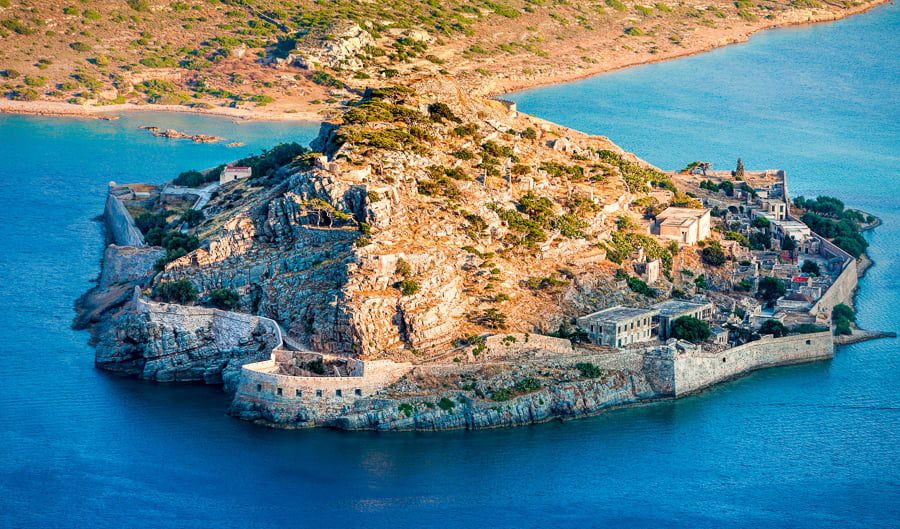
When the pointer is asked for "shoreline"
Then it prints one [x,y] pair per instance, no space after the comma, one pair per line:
[736,37]
[491,88]
[107,112]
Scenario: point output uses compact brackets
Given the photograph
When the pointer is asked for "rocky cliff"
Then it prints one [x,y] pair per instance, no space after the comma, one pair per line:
[426,216]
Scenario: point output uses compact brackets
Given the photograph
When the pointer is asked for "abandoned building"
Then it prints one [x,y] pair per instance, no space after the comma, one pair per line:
[619,326]
[230,174]
[671,310]
[685,225]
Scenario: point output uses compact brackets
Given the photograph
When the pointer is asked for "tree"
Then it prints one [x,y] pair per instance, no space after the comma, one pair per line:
[811,268]
[192,217]
[770,289]
[739,171]
[691,329]
[761,223]
[182,291]
[788,243]
[223,298]
[713,254]
[773,327]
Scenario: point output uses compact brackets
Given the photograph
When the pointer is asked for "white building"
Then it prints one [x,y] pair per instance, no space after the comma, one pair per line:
[230,174]
[685,225]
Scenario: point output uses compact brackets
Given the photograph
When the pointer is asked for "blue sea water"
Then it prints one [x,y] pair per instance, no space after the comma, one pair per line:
[805,446]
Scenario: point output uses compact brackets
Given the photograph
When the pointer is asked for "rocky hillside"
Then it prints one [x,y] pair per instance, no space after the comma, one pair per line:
[298,56]
[426,217]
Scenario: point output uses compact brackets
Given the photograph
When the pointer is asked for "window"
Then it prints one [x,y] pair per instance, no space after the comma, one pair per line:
[298,393]
[318,392]
[259,387]
[723,359]
[338,392]
[808,342]
[278,391]
[358,392]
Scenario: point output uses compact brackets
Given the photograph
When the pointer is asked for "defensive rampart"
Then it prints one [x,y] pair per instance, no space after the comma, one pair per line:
[683,373]
[264,393]
[121,224]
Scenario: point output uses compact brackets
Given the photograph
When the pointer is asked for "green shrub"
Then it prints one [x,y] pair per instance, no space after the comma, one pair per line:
[138,5]
[405,408]
[617,5]
[26,94]
[15,26]
[589,370]
[446,404]
[773,327]
[182,291]
[90,14]
[407,287]
[713,254]
[223,298]
[689,328]
[80,46]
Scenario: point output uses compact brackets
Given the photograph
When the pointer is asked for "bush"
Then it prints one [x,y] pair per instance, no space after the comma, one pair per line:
[80,46]
[27,94]
[807,328]
[691,329]
[138,5]
[192,217]
[773,327]
[223,298]
[811,268]
[407,287]
[446,404]
[589,370]
[190,178]
[182,291]
[440,111]
[769,289]
[713,254]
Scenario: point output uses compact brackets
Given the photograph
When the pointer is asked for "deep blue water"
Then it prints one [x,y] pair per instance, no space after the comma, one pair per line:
[804,446]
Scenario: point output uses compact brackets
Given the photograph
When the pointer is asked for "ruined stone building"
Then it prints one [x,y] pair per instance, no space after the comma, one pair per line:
[685,225]
[619,326]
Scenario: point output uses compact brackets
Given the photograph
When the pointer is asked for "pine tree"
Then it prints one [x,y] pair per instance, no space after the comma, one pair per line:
[739,172]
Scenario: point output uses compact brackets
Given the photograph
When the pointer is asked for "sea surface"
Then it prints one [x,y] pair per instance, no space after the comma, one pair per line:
[815,445]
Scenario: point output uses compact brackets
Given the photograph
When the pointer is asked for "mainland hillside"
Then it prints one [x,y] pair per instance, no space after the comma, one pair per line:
[281,57]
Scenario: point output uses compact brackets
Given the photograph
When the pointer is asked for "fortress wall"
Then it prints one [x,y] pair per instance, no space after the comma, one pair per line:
[694,372]
[841,290]
[260,384]
[120,224]
[128,263]
[528,342]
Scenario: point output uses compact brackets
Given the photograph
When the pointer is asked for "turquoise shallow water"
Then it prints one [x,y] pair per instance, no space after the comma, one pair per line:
[805,446]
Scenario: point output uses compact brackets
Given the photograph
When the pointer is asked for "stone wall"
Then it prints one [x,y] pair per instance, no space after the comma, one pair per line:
[693,372]
[128,263]
[263,393]
[120,224]
[516,343]
[841,290]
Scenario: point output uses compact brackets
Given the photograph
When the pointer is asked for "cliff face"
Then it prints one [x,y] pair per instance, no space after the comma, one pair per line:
[170,343]
[428,217]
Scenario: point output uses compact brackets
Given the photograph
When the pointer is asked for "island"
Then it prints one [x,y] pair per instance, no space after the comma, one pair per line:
[437,260]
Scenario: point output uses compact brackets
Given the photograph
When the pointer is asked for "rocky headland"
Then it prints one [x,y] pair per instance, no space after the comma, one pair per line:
[425,265]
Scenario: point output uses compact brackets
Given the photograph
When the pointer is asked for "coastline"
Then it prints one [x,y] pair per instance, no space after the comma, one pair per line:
[58,109]
[705,40]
